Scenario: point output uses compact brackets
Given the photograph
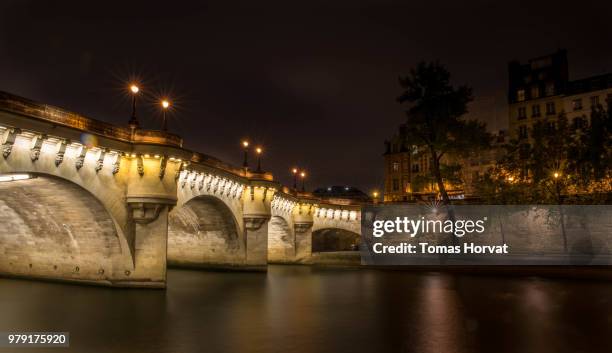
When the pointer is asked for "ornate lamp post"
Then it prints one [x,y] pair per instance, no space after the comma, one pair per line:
[245,146]
[259,151]
[303,176]
[133,121]
[295,173]
[165,105]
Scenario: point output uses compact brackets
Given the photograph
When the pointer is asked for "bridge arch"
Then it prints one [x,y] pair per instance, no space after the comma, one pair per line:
[54,228]
[203,231]
[106,185]
[334,240]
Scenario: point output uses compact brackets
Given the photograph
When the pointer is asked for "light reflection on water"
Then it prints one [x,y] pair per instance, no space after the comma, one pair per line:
[303,309]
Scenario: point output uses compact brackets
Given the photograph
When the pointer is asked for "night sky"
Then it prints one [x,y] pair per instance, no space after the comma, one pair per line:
[314,82]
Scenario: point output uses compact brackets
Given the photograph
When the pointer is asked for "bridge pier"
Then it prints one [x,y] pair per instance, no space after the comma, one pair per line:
[150,245]
[257,200]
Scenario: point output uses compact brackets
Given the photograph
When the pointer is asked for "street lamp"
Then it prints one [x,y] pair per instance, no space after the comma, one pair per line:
[557,175]
[245,146]
[133,121]
[259,151]
[165,105]
[375,196]
[303,176]
[295,173]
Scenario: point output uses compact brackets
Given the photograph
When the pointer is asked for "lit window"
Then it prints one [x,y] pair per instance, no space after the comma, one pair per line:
[550,89]
[520,95]
[523,132]
[550,108]
[535,92]
[396,166]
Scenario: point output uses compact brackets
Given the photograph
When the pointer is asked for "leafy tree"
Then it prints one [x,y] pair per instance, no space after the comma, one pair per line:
[434,117]
[563,162]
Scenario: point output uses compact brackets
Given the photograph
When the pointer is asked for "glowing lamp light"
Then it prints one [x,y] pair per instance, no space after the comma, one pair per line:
[510,179]
[556,175]
[294,170]
[245,144]
[303,174]
[375,194]
[165,104]
[14,177]
[258,150]
[134,89]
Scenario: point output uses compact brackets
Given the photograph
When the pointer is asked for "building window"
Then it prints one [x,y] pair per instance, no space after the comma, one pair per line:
[395,184]
[550,108]
[579,123]
[535,92]
[520,95]
[550,89]
[475,176]
[594,101]
[535,110]
[415,168]
[524,150]
[550,127]
[523,131]
[522,113]
[577,104]
[396,166]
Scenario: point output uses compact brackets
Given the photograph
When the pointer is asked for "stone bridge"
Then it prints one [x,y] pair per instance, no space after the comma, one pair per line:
[87,201]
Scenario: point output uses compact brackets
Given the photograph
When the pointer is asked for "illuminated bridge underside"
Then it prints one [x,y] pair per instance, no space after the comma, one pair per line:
[112,206]
[55,229]
[203,233]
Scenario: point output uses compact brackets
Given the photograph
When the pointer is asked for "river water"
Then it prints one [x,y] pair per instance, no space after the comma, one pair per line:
[304,309]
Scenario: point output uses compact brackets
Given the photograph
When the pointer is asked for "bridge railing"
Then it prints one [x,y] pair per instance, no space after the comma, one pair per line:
[23,106]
